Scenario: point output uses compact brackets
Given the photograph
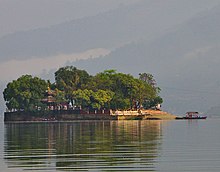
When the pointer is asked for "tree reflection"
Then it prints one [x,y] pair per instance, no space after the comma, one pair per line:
[101,145]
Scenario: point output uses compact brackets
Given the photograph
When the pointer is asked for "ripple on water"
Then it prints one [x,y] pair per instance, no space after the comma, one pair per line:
[82,146]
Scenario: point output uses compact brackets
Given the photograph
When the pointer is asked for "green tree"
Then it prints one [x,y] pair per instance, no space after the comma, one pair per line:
[154,99]
[107,89]
[148,78]
[129,92]
[25,93]
[59,96]
[101,98]
[152,103]
[92,99]
[69,79]
[102,81]
[110,80]
[82,97]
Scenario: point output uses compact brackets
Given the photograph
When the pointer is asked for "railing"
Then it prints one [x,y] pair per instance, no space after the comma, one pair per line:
[56,112]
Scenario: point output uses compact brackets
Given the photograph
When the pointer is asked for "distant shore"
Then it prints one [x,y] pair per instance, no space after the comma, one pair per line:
[71,115]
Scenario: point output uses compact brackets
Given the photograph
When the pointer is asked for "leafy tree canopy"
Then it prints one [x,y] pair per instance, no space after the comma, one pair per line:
[129,92]
[107,89]
[25,93]
[70,78]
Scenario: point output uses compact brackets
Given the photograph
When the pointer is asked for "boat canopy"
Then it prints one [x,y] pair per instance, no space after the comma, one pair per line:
[192,113]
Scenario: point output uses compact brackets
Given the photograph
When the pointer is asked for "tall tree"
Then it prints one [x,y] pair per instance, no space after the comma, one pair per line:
[82,97]
[25,93]
[153,100]
[129,91]
[101,98]
[69,79]
[148,78]
[107,89]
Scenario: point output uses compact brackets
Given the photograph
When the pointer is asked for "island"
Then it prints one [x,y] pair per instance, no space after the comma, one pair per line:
[77,95]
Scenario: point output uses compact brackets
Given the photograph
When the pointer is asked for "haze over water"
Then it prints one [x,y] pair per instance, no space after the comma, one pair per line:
[111,146]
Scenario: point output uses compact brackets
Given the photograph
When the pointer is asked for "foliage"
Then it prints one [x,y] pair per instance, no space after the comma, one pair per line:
[92,99]
[69,79]
[101,98]
[129,92]
[152,103]
[149,79]
[108,89]
[82,97]
[25,93]
[59,96]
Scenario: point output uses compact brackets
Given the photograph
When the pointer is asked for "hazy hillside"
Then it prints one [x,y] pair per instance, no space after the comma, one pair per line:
[146,19]
[177,41]
[185,62]
[32,14]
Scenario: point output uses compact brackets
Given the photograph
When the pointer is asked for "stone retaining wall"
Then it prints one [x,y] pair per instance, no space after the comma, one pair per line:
[70,115]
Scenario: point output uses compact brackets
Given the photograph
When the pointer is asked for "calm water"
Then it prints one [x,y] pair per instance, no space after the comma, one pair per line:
[111,146]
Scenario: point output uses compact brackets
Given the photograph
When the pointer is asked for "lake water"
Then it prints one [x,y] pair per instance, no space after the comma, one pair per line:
[168,146]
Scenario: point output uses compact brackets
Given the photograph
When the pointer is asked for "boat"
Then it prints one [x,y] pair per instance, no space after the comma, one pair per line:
[192,115]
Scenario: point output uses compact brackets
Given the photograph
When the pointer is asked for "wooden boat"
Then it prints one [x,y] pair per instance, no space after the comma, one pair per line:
[192,115]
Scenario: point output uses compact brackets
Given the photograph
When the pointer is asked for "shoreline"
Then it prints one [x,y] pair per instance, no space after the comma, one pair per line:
[53,116]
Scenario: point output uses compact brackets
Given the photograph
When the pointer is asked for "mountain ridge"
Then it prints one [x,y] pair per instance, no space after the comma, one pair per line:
[188,58]
[145,19]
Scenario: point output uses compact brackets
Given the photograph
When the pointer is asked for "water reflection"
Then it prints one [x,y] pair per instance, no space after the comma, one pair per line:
[86,145]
